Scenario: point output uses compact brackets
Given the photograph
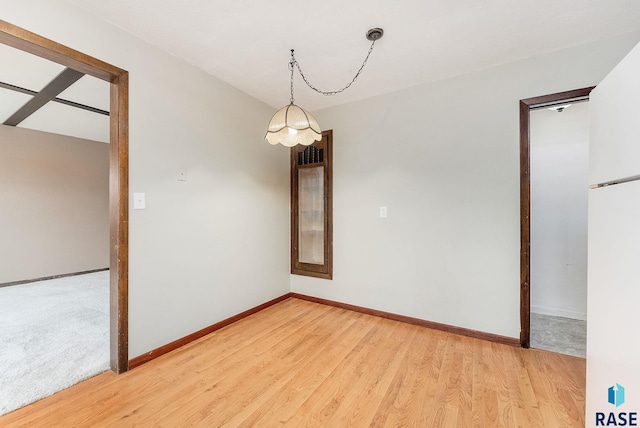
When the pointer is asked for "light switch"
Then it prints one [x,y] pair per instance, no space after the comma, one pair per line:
[383,212]
[182,174]
[138,201]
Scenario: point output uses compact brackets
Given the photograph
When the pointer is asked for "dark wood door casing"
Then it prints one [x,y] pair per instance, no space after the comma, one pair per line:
[27,41]
[525,199]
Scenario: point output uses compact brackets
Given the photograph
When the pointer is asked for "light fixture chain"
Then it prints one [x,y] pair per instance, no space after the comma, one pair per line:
[291,63]
[327,93]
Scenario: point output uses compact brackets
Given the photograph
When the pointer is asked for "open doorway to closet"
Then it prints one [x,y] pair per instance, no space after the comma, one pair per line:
[553,164]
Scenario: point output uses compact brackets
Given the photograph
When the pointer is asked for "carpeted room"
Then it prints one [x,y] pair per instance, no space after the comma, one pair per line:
[54,223]
[55,333]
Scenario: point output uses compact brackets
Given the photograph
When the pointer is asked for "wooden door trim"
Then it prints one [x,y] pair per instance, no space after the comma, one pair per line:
[525,200]
[27,41]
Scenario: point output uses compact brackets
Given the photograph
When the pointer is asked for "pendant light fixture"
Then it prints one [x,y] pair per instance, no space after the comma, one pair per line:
[292,125]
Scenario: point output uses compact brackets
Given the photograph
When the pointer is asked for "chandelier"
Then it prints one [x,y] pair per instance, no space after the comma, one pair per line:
[292,125]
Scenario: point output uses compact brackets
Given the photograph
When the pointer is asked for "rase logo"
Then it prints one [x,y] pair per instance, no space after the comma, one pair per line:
[615,397]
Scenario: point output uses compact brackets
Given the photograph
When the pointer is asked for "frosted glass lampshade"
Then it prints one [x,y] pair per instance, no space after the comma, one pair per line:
[292,125]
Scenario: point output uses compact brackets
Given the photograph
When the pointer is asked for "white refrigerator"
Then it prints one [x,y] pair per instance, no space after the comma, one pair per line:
[613,287]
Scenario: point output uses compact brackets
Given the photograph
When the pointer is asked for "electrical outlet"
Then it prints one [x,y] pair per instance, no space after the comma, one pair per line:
[182,174]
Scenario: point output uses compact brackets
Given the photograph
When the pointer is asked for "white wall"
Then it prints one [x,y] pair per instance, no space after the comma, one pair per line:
[54,204]
[212,246]
[444,158]
[559,156]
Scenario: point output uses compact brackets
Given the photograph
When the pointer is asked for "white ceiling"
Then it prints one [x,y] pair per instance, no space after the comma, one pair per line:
[246,42]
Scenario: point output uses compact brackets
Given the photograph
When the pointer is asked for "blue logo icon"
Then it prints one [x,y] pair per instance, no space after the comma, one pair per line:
[616,395]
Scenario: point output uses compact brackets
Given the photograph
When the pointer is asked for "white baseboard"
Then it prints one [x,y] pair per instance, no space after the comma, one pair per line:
[559,313]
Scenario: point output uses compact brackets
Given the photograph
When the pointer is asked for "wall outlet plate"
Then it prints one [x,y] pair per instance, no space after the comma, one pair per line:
[139,202]
[182,174]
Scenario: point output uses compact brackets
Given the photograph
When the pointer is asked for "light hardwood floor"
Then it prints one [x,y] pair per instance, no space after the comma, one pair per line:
[303,364]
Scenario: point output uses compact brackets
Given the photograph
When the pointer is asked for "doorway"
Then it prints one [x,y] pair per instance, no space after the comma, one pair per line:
[526,105]
[559,157]
[24,40]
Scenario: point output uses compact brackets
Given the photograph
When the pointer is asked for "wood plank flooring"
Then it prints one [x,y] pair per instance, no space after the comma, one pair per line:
[303,364]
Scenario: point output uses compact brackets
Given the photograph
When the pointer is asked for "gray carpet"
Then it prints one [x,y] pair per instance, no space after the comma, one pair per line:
[562,335]
[53,334]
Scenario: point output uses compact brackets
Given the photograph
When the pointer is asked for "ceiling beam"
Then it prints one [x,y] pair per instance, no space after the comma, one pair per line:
[81,106]
[17,89]
[57,100]
[65,79]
